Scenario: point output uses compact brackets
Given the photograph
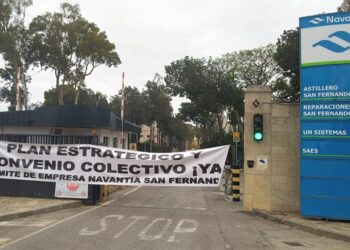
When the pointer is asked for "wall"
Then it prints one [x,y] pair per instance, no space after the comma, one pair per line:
[145,133]
[151,133]
[69,131]
[273,186]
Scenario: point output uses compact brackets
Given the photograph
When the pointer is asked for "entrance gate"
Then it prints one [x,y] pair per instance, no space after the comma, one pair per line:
[39,189]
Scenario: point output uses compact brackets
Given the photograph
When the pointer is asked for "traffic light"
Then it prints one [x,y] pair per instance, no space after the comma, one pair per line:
[258,123]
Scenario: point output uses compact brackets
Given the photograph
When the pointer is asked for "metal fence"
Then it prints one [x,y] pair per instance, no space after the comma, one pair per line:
[38,189]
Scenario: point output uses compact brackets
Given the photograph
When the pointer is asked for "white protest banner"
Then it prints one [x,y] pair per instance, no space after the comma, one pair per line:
[111,166]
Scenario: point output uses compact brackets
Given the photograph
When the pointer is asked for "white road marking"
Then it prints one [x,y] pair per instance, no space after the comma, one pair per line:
[48,227]
[25,223]
[136,218]
[143,235]
[158,207]
[180,229]
[172,239]
[195,208]
[107,203]
[103,223]
[133,190]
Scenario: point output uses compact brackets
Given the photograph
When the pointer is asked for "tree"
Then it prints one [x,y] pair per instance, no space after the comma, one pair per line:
[115,104]
[50,96]
[13,48]
[153,105]
[87,97]
[179,133]
[71,46]
[8,91]
[345,6]
[134,106]
[287,57]
[158,103]
[253,67]
[212,89]
[91,49]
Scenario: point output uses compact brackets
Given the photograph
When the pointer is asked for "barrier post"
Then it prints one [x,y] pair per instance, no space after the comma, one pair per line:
[104,193]
[235,183]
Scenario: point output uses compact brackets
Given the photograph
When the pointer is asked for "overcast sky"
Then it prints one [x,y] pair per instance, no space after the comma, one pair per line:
[150,34]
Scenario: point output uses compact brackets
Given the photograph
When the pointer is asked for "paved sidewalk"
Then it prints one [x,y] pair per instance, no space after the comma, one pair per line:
[334,229]
[15,207]
[339,230]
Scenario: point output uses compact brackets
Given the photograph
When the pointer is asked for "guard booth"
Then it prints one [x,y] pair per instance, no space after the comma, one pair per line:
[61,125]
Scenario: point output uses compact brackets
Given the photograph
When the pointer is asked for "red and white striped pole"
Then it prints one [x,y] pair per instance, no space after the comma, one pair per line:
[122,111]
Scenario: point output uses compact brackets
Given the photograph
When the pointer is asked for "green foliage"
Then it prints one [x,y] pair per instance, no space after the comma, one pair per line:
[13,33]
[253,67]
[13,48]
[345,6]
[287,58]
[135,109]
[8,90]
[115,105]
[215,87]
[71,46]
[157,101]
[153,105]
[87,97]
[217,140]
[212,89]
[180,131]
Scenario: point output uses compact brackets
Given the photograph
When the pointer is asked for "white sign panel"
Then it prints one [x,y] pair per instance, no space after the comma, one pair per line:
[325,39]
[325,45]
[111,166]
[71,190]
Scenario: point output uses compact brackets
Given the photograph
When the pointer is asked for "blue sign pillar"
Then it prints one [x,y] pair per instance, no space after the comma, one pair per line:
[325,116]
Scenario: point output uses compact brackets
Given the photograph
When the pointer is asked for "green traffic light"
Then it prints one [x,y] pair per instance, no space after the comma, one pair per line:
[258,136]
[258,127]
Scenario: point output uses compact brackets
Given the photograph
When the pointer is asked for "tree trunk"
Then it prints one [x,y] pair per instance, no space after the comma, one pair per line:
[17,74]
[77,97]
[59,90]
[60,96]
[220,125]
[25,94]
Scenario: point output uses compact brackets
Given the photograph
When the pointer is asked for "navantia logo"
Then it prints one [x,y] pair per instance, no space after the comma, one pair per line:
[339,19]
[330,20]
[332,46]
[316,20]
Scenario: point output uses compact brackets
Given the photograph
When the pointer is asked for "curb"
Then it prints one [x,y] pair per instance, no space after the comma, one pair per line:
[11,216]
[307,228]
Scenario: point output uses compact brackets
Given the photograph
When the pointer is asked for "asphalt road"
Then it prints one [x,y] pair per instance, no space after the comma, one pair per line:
[158,218]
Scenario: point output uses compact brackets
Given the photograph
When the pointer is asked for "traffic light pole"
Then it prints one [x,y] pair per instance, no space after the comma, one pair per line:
[234,153]
[236,139]
[236,158]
